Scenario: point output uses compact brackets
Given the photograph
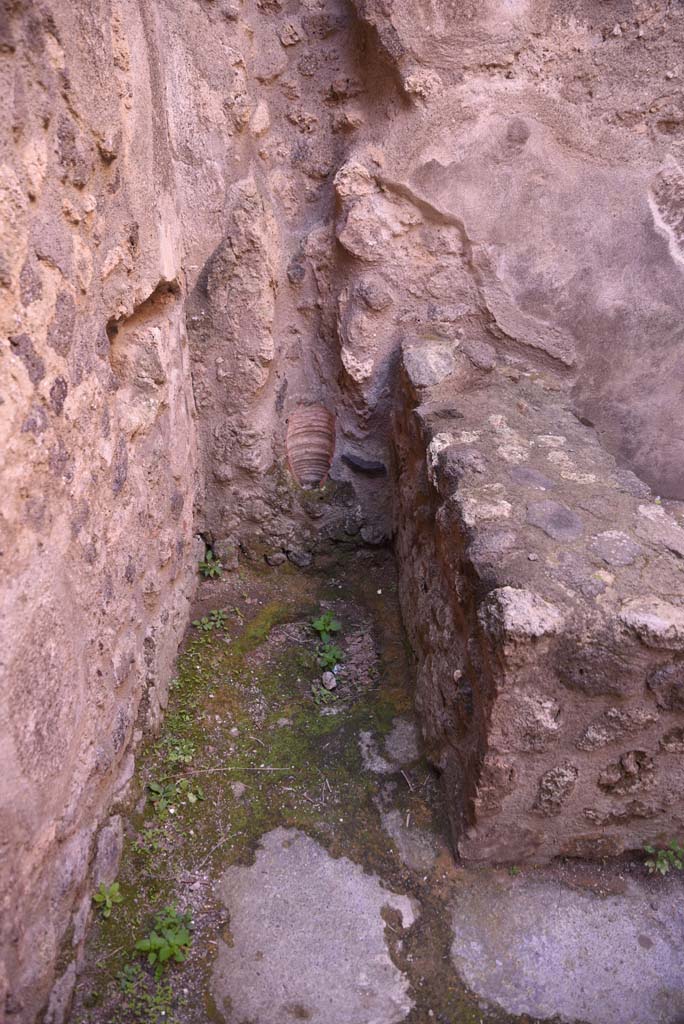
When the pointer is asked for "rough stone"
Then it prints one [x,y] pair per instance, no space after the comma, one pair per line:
[108,853]
[656,622]
[555,786]
[302,559]
[667,685]
[526,476]
[519,615]
[329,681]
[634,771]
[369,467]
[557,521]
[227,550]
[615,548]
[428,364]
[60,997]
[656,524]
[613,724]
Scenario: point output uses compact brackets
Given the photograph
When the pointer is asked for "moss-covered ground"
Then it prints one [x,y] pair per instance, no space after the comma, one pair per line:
[246,747]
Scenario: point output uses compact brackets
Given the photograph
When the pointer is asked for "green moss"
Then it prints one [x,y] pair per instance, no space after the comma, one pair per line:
[259,628]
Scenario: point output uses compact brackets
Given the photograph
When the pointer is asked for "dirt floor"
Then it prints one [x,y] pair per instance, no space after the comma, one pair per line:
[295,833]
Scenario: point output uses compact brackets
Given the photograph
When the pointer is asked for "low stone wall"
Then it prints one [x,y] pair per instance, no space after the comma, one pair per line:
[542,588]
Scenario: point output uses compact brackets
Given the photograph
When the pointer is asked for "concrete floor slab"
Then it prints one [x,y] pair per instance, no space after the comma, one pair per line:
[542,949]
[307,939]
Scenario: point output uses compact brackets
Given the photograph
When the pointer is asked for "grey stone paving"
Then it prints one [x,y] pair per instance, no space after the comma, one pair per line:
[543,949]
[401,743]
[416,847]
[307,940]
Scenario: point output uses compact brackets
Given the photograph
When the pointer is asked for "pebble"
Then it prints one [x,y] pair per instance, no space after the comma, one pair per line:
[235,731]
[301,559]
[276,558]
[328,680]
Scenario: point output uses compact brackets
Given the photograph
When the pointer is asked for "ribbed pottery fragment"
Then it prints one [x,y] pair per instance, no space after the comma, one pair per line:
[310,444]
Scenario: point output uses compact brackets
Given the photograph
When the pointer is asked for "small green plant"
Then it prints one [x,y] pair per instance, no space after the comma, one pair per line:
[326,625]
[328,655]
[129,977]
[216,619]
[513,871]
[106,897]
[321,695]
[211,567]
[191,793]
[662,861]
[149,842]
[162,795]
[179,718]
[169,940]
[165,794]
[179,751]
[139,1003]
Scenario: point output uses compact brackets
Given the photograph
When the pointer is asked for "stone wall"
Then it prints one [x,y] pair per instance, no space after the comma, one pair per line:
[99,448]
[167,266]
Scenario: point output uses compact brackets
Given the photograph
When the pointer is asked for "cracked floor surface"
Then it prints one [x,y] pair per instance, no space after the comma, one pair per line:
[301,829]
